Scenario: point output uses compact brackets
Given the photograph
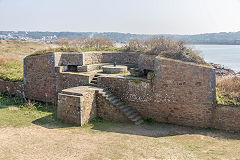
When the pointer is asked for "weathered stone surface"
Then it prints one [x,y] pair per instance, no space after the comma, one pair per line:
[110,57]
[69,58]
[40,78]
[92,67]
[106,111]
[180,93]
[12,88]
[77,105]
[111,69]
[146,61]
[227,118]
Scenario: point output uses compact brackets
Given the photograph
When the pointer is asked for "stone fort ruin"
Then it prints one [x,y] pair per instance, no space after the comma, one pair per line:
[88,85]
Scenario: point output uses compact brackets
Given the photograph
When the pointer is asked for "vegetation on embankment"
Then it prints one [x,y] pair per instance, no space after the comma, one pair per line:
[154,46]
[11,57]
[11,69]
[228,91]
[167,48]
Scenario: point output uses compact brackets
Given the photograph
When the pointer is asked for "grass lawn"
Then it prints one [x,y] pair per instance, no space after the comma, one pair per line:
[31,131]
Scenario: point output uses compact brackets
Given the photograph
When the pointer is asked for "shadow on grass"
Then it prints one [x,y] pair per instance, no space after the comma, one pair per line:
[149,128]
[51,122]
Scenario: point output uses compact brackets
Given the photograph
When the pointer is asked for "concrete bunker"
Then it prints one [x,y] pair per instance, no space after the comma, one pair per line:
[149,89]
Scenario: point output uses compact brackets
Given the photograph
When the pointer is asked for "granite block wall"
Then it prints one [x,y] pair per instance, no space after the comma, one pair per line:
[77,105]
[69,58]
[146,61]
[69,109]
[106,111]
[12,88]
[66,80]
[186,92]
[180,93]
[110,57]
[39,78]
[44,79]
[227,118]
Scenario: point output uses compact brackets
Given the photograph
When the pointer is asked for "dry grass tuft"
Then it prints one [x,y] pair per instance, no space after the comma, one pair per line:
[11,69]
[80,45]
[228,91]
[11,57]
[166,48]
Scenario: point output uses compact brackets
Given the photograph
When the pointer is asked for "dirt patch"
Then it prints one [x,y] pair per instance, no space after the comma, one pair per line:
[160,141]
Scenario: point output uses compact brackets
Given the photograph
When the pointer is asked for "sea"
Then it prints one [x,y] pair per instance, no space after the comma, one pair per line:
[226,55]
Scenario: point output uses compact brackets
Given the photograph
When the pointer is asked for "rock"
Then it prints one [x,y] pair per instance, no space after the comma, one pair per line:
[222,71]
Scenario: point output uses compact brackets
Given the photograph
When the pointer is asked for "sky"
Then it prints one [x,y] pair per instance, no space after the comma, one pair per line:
[126,16]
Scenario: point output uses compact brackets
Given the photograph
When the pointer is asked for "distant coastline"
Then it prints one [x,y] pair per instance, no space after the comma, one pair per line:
[222,38]
[212,44]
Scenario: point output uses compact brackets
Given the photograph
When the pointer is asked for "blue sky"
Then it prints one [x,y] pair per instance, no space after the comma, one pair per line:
[128,16]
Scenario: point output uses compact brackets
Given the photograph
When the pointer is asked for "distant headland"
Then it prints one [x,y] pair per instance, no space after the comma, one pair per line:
[222,38]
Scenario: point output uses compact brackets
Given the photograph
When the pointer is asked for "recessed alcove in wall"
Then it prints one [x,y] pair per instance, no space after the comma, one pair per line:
[72,68]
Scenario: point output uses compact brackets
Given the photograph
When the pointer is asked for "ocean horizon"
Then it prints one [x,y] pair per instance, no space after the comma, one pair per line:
[226,55]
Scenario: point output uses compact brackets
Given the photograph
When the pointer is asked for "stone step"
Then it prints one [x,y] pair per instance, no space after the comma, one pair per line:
[94,81]
[112,98]
[123,107]
[139,122]
[127,109]
[119,103]
[95,78]
[133,115]
[136,118]
[116,102]
[129,113]
[93,84]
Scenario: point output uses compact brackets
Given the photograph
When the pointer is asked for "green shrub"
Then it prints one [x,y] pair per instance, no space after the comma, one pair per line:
[136,80]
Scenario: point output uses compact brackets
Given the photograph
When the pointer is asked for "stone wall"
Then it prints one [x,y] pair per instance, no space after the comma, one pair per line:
[39,77]
[181,93]
[69,58]
[227,118]
[184,92]
[110,57]
[44,79]
[69,108]
[136,93]
[146,62]
[79,105]
[108,112]
[68,80]
[12,88]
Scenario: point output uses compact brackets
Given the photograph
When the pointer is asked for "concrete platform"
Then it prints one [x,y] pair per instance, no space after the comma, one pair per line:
[111,69]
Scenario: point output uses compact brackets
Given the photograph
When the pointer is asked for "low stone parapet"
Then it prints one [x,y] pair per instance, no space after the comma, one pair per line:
[12,88]
[227,118]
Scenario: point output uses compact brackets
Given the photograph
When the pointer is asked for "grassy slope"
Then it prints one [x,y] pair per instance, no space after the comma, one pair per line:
[11,57]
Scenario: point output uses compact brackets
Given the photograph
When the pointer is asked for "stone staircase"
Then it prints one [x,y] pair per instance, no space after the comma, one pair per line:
[129,112]
[94,81]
